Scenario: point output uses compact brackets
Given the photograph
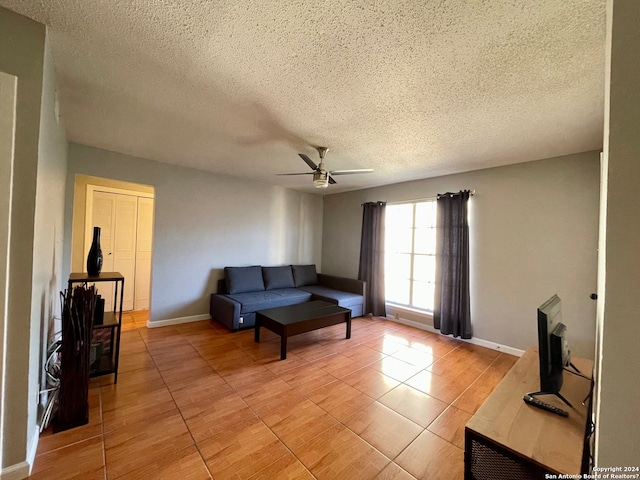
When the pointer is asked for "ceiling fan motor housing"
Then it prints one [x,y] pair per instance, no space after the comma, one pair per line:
[320,179]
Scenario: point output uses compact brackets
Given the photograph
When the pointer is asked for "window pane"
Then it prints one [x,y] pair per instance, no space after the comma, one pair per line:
[424,268]
[425,240]
[398,241]
[397,266]
[397,291]
[423,293]
[426,214]
[399,217]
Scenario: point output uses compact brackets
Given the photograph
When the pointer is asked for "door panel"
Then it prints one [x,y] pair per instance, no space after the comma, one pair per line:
[124,255]
[103,216]
[144,242]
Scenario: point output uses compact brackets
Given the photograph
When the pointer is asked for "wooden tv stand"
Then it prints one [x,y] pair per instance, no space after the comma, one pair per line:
[506,438]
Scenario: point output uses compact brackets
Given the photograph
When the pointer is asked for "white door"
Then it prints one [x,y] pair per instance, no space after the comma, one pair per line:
[144,245]
[124,253]
[126,223]
[8,87]
[103,215]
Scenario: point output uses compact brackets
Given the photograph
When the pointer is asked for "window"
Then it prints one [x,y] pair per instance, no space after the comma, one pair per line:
[410,249]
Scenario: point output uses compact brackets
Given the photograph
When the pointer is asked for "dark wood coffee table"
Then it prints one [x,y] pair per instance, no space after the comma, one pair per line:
[300,318]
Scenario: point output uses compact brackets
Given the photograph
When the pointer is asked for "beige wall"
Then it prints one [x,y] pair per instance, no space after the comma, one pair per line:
[534,232]
[37,220]
[22,54]
[618,414]
[48,237]
[8,93]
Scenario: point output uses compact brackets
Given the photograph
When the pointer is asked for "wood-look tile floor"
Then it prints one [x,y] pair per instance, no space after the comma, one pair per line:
[196,401]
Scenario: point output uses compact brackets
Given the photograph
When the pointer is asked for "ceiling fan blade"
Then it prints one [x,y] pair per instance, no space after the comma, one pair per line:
[351,172]
[308,161]
[331,180]
[305,173]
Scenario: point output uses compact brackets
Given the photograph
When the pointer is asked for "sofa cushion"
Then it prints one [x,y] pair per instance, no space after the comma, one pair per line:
[277,277]
[304,275]
[253,301]
[343,299]
[243,279]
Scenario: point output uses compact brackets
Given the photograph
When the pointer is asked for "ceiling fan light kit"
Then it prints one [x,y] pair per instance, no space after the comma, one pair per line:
[322,178]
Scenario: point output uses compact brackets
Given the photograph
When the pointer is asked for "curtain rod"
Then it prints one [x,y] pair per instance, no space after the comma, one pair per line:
[425,199]
[453,194]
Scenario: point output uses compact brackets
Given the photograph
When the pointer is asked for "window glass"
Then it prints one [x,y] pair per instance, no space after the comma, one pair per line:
[401,217]
[410,246]
[425,240]
[398,240]
[397,291]
[398,266]
[423,295]
[426,214]
[424,268]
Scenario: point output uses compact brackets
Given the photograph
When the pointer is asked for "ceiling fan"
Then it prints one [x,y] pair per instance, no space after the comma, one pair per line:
[321,177]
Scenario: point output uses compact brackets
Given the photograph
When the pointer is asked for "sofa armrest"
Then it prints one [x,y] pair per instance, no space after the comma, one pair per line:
[225,310]
[343,284]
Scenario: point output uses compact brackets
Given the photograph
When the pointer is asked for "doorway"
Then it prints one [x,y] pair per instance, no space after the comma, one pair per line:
[124,213]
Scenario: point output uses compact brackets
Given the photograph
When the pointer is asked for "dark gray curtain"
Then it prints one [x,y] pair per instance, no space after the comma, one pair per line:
[452,310]
[372,257]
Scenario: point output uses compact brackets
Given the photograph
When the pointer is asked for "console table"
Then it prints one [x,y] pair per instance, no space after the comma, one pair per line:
[112,322]
[506,438]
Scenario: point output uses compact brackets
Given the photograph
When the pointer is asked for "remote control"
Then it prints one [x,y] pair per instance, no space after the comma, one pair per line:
[544,406]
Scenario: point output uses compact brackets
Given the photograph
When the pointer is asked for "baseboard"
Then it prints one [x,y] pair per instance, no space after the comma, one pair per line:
[19,471]
[22,470]
[178,321]
[475,341]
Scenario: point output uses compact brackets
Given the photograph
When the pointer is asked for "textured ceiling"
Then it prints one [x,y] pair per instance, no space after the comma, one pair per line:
[413,89]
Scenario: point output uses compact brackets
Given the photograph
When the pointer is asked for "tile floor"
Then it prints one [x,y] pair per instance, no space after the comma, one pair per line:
[195,401]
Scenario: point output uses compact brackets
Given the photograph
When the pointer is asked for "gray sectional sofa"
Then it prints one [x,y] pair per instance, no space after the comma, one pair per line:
[245,290]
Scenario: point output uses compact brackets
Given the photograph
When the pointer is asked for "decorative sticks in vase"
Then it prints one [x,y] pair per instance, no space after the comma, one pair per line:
[78,307]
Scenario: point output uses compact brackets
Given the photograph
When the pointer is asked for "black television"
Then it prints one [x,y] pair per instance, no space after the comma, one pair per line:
[553,351]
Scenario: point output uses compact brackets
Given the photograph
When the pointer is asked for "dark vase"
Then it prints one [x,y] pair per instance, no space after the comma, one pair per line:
[94,260]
